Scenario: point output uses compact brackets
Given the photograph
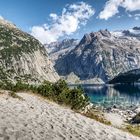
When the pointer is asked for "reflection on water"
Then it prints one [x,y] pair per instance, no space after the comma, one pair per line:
[107,96]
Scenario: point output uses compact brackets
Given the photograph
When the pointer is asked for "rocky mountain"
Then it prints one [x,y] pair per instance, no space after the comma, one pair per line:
[22,57]
[135,32]
[126,77]
[60,48]
[102,55]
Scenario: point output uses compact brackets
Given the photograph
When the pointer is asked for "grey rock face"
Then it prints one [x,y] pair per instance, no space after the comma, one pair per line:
[22,57]
[58,49]
[101,55]
[60,45]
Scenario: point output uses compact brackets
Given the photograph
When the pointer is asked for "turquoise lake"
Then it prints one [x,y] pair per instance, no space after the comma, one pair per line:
[119,95]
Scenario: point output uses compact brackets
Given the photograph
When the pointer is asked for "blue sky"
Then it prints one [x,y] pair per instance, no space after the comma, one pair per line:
[27,14]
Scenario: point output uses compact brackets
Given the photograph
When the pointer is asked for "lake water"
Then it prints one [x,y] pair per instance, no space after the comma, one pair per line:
[119,95]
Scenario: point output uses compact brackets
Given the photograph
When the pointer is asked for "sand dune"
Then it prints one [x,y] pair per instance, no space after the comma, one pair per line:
[37,119]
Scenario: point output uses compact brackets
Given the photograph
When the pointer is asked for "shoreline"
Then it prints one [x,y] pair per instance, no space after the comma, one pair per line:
[120,118]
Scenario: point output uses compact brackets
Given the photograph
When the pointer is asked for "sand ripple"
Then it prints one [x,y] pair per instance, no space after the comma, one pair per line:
[37,119]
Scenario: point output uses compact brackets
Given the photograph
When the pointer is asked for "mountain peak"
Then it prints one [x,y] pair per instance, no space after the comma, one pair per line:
[105,33]
[95,35]
[7,23]
[136,28]
[86,38]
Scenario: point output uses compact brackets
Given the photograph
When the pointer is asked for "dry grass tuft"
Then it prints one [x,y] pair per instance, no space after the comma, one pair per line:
[133,129]
[14,95]
[97,115]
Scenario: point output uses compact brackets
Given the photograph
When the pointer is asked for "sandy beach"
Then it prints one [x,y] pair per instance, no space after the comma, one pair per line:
[35,118]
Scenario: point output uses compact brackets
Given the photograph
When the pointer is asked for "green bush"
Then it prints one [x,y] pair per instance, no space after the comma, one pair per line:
[77,99]
[59,86]
[45,89]
[7,85]
[19,86]
[58,92]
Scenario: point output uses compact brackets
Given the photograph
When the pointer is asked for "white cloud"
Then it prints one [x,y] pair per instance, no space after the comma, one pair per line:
[1,17]
[72,17]
[112,6]
[131,5]
[136,18]
[53,16]
[110,9]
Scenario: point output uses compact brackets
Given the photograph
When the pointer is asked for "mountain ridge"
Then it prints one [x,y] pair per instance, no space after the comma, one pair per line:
[59,48]
[101,54]
[22,57]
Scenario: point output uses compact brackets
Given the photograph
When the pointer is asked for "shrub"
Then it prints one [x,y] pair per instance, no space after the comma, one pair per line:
[7,85]
[77,99]
[19,86]
[45,89]
[58,92]
[59,86]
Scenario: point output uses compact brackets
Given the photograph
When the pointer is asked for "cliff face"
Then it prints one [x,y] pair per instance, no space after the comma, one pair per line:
[102,55]
[58,49]
[22,57]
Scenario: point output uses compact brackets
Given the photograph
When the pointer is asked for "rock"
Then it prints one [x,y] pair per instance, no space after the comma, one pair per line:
[60,48]
[102,55]
[87,108]
[22,57]
[109,109]
[136,119]
[114,106]
[72,78]
[137,110]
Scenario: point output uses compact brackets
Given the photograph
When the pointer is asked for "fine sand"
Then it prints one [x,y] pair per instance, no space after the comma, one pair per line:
[115,119]
[35,118]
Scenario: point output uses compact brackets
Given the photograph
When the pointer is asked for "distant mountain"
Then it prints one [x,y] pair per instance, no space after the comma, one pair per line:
[102,55]
[60,48]
[22,57]
[135,32]
[126,77]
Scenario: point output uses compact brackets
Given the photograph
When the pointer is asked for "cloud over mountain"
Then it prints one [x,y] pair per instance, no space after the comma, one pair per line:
[112,7]
[71,19]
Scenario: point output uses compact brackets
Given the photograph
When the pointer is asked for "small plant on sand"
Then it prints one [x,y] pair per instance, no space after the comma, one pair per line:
[14,95]
[133,129]
[96,115]
[134,125]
